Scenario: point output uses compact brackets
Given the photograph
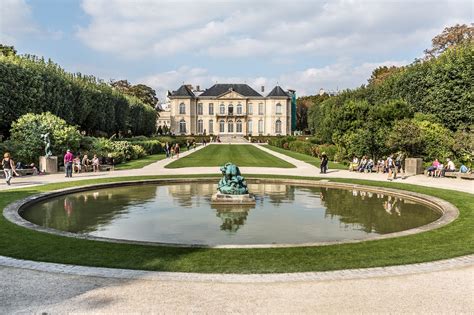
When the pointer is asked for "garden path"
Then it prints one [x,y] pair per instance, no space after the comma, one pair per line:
[425,291]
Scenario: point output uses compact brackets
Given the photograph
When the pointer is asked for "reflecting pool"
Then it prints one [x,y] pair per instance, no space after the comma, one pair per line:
[182,213]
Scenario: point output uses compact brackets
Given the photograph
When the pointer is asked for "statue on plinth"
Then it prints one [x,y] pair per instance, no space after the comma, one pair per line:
[47,144]
[232,187]
[232,182]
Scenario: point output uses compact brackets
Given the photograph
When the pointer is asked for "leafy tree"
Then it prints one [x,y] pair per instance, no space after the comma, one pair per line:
[451,36]
[141,91]
[381,73]
[26,136]
[7,50]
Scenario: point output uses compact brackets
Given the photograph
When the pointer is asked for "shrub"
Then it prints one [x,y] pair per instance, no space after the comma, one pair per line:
[301,147]
[26,136]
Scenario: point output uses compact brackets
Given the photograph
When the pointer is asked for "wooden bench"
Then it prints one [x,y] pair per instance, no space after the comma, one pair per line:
[22,172]
[456,174]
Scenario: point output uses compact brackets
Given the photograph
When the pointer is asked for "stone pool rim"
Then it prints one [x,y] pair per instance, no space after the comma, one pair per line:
[448,211]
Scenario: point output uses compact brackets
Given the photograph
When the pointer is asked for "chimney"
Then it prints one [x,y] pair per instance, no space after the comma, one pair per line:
[263,88]
[198,88]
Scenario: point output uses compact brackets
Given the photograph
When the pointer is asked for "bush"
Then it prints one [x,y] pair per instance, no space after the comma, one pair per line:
[329,149]
[26,134]
[301,147]
[150,146]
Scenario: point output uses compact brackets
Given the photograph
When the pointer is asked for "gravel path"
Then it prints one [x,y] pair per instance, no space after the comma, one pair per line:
[446,291]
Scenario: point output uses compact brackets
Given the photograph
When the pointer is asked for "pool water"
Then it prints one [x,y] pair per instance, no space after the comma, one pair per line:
[182,213]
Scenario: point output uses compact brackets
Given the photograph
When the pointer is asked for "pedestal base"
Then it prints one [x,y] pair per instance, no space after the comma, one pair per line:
[224,199]
[413,166]
[48,164]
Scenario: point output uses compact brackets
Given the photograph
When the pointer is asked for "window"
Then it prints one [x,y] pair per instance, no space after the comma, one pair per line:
[278,109]
[211,109]
[221,125]
[222,109]
[260,126]
[238,126]
[199,109]
[230,126]
[199,126]
[239,109]
[182,108]
[278,126]
[182,126]
[211,126]
[260,109]
[231,109]
[250,110]
[249,127]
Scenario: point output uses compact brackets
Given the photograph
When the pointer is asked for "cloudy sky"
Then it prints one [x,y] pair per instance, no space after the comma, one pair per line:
[304,45]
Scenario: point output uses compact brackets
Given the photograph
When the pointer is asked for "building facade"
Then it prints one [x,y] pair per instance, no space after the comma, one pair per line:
[230,109]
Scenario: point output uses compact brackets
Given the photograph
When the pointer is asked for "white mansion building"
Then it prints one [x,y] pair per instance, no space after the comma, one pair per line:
[228,109]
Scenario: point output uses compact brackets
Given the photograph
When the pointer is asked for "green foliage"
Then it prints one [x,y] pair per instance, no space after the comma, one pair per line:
[26,136]
[301,147]
[29,84]
[437,92]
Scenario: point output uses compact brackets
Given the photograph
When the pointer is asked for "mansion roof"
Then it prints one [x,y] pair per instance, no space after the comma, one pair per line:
[220,89]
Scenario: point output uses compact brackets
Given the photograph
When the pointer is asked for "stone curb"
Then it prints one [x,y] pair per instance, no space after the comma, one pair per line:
[449,212]
[348,274]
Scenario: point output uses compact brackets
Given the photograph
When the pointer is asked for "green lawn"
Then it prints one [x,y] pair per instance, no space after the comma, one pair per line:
[144,161]
[454,239]
[307,158]
[239,154]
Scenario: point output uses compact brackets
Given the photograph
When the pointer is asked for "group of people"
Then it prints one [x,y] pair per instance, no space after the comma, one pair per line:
[438,169]
[392,165]
[77,165]
[172,150]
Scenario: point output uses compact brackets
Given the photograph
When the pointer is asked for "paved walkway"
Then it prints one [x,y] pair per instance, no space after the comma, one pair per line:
[427,291]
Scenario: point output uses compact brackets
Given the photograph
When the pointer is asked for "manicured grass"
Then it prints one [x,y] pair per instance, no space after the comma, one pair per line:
[239,154]
[455,239]
[307,158]
[144,161]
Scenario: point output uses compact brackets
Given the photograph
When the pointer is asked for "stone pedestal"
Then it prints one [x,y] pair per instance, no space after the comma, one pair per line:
[48,164]
[224,199]
[413,166]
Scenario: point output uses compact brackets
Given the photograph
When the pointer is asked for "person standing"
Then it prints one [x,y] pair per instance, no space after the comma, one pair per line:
[8,168]
[176,150]
[324,163]
[68,160]
[167,149]
[392,171]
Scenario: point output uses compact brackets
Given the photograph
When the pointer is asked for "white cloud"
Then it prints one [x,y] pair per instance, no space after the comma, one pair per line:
[15,20]
[248,28]
[343,74]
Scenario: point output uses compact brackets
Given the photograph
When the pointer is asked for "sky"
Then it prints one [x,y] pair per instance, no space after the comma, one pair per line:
[298,44]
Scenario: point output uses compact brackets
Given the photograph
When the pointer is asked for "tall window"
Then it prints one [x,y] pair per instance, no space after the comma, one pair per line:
[211,109]
[260,109]
[200,128]
[230,126]
[239,109]
[249,127]
[182,108]
[231,109]
[211,126]
[199,109]
[250,110]
[278,109]
[182,126]
[278,126]
[260,126]
[221,126]
[222,109]
[238,126]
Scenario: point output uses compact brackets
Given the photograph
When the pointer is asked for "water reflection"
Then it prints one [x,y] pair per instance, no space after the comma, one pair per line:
[182,213]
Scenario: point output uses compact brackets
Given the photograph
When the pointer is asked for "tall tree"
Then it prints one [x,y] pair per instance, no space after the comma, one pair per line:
[7,50]
[381,73]
[141,91]
[451,36]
